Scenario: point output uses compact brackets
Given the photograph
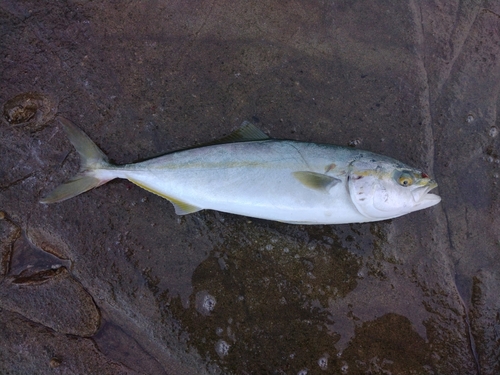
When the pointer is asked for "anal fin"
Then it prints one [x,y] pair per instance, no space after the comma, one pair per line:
[181,207]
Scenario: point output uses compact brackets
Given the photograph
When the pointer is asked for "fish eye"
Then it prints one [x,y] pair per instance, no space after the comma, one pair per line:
[405,179]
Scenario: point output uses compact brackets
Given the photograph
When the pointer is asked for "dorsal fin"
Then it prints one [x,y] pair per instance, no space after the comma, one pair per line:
[245,133]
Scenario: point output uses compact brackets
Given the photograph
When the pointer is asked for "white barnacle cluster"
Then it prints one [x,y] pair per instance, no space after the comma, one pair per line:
[205,302]
[323,362]
[222,348]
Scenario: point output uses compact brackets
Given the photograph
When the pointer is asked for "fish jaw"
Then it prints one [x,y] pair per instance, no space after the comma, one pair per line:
[421,195]
[424,199]
[429,200]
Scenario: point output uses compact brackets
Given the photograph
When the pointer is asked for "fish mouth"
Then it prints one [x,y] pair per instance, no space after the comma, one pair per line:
[423,197]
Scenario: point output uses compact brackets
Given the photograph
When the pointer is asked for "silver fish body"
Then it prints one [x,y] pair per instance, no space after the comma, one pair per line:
[250,174]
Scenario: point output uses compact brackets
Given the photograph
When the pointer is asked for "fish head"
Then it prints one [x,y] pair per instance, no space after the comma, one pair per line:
[384,189]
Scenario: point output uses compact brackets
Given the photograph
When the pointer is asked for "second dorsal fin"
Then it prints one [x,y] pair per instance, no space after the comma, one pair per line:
[245,133]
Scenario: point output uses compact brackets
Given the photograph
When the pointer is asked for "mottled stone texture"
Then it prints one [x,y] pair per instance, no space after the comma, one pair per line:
[113,282]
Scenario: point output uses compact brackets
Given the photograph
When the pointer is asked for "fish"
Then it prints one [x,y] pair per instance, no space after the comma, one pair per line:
[248,173]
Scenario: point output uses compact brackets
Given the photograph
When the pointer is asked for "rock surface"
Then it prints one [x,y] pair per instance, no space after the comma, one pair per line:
[113,282]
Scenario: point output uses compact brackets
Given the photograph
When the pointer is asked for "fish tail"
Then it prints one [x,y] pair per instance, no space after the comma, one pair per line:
[92,159]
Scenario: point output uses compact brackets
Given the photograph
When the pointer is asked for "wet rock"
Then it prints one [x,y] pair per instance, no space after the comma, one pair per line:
[387,345]
[283,284]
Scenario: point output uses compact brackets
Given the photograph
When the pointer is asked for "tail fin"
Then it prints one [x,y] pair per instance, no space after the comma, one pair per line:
[91,159]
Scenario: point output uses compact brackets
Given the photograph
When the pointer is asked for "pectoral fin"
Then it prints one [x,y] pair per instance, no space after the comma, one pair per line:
[316,181]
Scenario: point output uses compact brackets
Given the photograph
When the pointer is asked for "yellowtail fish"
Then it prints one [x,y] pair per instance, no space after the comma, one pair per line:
[248,173]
